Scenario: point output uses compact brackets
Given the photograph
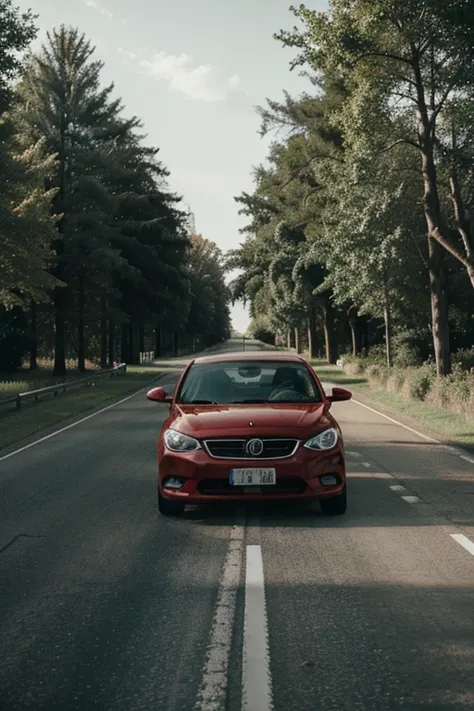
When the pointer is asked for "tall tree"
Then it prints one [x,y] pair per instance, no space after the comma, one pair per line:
[24,210]
[209,316]
[406,63]
[62,101]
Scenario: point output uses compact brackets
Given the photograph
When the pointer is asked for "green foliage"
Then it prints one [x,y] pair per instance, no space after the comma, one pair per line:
[261,329]
[419,382]
[88,219]
[17,30]
[27,226]
[382,149]
[464,359]
[209,317]
[14,341]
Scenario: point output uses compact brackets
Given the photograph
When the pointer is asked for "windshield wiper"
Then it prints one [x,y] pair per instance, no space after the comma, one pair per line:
[200,402]
[256,401]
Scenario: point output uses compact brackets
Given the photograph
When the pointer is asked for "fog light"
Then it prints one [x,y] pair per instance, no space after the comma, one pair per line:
[329,480]
[174,482]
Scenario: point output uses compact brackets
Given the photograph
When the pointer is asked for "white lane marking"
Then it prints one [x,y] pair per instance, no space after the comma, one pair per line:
[396,422]
[213,689]
[447,447]
[367,465]
[464,542]
[411,499]
[356,455]
[398,487]
[63,429]
[256,677]
[78,422]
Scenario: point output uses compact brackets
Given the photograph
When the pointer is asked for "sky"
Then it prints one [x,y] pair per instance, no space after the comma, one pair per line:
[193,71]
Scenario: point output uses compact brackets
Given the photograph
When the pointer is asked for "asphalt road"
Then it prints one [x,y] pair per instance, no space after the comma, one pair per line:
[106,605]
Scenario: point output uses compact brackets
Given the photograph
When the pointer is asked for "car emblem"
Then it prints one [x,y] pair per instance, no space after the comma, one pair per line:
[255,447]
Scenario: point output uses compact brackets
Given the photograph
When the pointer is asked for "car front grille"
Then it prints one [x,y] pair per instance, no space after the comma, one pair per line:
[237,448]
[222,487]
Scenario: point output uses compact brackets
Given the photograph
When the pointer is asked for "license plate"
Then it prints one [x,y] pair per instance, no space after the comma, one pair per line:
[252,477]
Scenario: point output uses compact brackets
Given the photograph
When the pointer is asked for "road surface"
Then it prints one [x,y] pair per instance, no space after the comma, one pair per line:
[106,605]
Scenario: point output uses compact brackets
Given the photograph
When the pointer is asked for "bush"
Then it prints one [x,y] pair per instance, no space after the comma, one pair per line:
[396,380]
[377,355]
[455,392]
[260,329]
[378,374]
[406,356]
[464,359]
[419,382]
[353,368]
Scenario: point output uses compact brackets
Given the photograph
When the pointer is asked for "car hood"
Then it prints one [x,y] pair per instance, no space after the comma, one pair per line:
[258,420]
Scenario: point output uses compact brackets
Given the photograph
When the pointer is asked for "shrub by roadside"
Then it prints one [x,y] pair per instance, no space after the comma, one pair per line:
[420,384]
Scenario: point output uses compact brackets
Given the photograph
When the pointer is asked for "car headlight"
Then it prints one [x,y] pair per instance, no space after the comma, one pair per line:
[178,442]
[324,440]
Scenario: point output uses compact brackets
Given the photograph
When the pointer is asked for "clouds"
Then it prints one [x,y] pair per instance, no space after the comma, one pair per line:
[105,12]
[183,74]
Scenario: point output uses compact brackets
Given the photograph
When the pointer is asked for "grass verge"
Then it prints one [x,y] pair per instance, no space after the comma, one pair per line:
[447,426]
[49,411]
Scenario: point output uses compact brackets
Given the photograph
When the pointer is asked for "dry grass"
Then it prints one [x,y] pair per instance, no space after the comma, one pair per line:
[446,410]
[50,410]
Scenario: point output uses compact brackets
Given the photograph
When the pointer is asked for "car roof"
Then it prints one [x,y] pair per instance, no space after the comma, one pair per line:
[234,356]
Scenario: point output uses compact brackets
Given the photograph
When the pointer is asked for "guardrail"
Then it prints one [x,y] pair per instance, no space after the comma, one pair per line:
[147,357]
[64,386]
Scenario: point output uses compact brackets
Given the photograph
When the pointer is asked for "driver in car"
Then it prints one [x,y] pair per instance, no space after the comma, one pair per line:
[288,385]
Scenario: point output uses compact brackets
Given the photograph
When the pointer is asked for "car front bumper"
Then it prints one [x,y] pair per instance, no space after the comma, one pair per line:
[207,479]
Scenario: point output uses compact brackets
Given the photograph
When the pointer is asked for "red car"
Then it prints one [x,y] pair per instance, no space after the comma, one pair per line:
[250,427]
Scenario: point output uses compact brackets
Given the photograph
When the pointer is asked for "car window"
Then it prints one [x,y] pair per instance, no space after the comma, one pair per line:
[246,382]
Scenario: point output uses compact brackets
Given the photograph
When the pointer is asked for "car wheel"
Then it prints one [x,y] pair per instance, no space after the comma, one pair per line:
[170,508]
[336,506]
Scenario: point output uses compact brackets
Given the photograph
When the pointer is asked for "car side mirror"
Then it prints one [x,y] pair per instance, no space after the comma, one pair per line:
[159,395]
[340,395]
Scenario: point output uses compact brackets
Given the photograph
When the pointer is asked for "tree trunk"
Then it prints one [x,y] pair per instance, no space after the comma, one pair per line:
[103,332]
[352,318]
[158,342]
[388,333]
[288,340]
[59,333]
[124,344]
[437,242]
[81,349]
[34,337]
[365,336]
[132,345]
[312,335]
[329,333]
[462,222]
[439,308]
[111,356]
[141,337]
[436,259]
[297,340]
[353,327]
[59,295]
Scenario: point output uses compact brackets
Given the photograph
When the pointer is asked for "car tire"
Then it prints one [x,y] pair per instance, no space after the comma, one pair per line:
[336,506]
[170,508]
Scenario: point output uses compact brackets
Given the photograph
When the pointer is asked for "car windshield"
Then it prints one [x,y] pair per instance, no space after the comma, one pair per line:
[249,382]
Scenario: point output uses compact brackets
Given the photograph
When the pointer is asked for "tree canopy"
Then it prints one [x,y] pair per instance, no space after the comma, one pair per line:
[360,222]
[94,248]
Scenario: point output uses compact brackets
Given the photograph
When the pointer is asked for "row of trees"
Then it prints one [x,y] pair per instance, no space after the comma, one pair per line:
[360,226]
[95,260]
